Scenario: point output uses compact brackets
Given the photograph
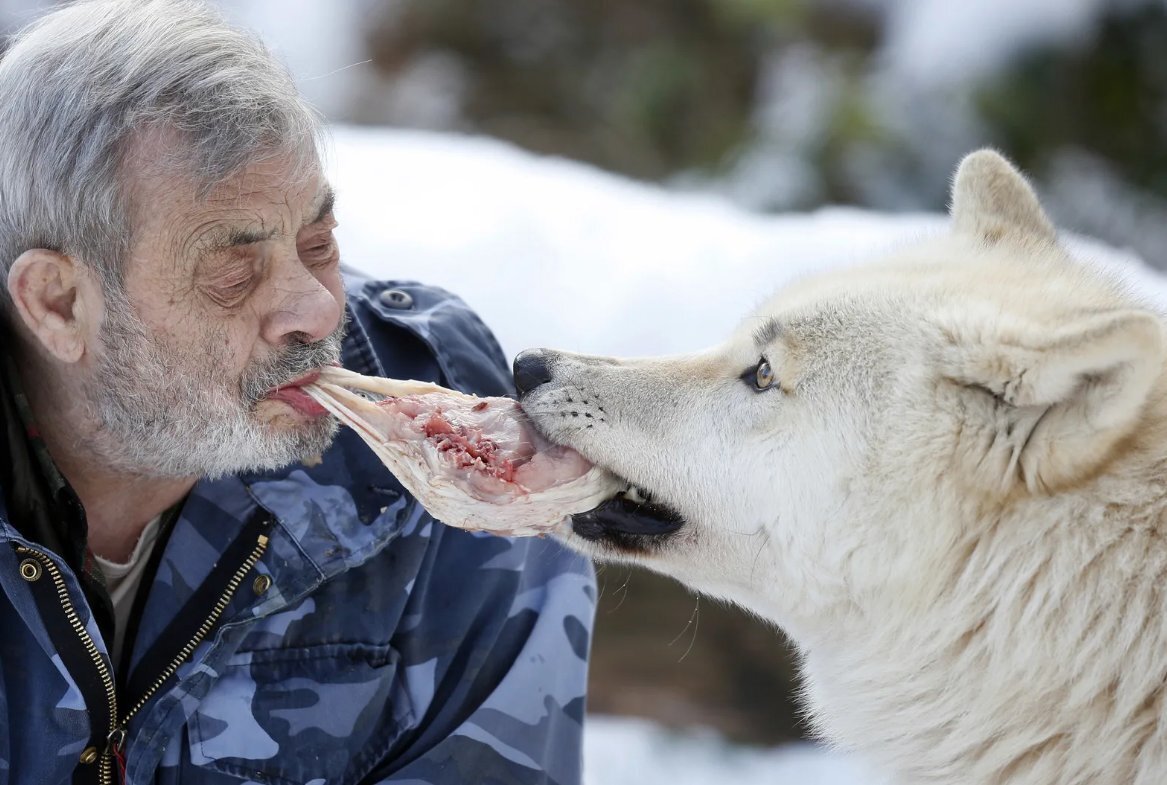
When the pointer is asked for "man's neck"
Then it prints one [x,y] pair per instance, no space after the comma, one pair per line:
[117,505]
[118,508]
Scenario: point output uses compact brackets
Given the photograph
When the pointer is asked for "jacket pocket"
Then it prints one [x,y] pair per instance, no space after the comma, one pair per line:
[323,714]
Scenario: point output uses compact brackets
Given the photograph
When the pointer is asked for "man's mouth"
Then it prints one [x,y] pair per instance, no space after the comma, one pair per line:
[294,396]
[627,520]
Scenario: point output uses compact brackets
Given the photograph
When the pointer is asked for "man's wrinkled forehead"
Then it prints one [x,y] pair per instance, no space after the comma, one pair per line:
[172,198]
[244,221]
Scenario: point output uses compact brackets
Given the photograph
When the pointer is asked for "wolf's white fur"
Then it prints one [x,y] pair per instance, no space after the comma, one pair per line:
[953,500]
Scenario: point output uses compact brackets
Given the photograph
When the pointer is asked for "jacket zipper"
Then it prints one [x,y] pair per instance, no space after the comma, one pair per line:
[114,747]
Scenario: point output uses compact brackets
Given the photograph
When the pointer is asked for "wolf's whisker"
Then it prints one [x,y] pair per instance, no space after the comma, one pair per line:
[761,546]
[694,622]
[622,590]
[759,530]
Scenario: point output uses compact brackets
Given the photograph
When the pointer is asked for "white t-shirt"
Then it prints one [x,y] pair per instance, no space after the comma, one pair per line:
[124,580]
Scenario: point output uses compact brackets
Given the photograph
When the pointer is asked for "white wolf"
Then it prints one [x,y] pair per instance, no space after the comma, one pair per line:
[944,475]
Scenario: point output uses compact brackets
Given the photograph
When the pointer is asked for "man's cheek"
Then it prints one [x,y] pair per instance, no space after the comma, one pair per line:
[218,360]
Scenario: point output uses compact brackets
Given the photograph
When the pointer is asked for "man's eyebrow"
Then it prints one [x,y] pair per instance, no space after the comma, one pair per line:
[767,332]
[327,203]
[239,236]
[234,238]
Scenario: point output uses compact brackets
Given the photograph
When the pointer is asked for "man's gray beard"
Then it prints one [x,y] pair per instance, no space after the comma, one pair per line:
[162,414]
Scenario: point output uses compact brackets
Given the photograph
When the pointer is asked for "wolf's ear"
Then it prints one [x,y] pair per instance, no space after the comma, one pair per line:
[1058,401]
[992,201]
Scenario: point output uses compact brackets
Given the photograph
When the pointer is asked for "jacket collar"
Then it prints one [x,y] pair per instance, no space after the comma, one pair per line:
[40,504]
[38,494]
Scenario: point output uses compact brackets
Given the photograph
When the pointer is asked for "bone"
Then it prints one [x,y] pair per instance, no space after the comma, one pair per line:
[483,468]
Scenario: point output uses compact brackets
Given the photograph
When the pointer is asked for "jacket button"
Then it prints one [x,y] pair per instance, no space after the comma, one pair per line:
[397,299]
[261,584]
[31,570]
[89,755]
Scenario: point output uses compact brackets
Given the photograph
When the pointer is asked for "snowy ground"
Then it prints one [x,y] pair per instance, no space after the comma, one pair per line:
[553,253]
[627,751]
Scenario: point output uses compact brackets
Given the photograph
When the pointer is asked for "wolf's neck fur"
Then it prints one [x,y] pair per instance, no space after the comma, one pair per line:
[1045,642]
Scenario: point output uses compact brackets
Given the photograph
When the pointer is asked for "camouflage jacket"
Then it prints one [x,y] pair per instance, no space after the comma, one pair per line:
[312,625]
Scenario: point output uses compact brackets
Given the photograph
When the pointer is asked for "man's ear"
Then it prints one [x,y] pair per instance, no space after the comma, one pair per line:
[46,290]
[992,202]
[1055,403]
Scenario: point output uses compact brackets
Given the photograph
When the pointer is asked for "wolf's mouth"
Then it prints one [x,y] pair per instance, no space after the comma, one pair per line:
[626,517]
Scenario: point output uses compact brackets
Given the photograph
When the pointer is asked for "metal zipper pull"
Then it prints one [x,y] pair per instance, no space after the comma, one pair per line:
[115,747]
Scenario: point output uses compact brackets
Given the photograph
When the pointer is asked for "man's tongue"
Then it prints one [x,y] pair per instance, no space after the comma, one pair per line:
[293,395]
[298,400]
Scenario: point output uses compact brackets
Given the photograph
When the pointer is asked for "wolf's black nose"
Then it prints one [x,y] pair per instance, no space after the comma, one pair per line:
[531,369]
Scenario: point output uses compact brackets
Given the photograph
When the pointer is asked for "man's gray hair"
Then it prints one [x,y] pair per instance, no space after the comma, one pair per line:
[79,86]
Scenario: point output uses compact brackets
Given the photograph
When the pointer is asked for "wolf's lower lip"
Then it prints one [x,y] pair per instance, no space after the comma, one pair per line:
[623,515]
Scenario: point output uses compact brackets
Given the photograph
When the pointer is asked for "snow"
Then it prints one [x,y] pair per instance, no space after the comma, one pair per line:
[555,253]
[627,751]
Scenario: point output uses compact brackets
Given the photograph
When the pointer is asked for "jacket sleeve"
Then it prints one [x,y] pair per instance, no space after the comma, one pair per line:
[497,665]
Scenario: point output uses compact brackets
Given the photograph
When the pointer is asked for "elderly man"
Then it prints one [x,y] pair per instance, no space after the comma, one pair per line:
[202,581]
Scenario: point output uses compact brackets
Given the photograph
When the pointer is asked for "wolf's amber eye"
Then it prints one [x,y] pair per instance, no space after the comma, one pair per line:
[760,377]
[764,375]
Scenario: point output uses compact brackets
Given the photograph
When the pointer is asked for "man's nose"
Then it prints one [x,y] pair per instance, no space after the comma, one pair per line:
[306,307]
[531,369]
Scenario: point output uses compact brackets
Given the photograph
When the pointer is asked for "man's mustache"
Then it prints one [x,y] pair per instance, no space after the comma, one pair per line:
[291,363]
